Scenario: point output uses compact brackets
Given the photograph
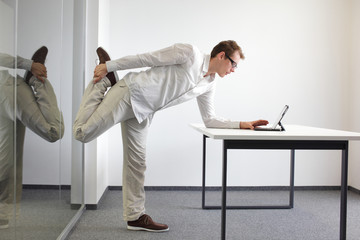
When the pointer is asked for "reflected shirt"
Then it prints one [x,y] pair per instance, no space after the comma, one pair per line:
[175,75]
[8,61]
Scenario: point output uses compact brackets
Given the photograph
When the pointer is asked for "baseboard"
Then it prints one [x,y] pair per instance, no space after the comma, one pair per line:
[237,188]
[95,206]
[91,206]
[355,190]
[199,188]
[46,187]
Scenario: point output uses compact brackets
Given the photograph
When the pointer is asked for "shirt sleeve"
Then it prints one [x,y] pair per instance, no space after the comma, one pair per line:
[206,107]
[8,61]
[176,54]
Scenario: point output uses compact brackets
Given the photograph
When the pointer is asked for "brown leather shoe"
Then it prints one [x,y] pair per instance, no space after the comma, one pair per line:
[103,57]
[38,57]
[145,223]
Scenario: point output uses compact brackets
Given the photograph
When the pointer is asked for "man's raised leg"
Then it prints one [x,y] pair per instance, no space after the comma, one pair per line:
[98,112]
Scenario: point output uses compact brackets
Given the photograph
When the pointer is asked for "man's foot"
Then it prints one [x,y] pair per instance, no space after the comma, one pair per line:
[145,223]
[103,57]
[39,57]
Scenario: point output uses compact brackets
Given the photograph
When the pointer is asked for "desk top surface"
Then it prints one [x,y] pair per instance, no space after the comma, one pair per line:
[293,132]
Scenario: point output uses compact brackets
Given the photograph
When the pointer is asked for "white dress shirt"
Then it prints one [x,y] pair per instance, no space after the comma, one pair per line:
[8,61]
[176,75]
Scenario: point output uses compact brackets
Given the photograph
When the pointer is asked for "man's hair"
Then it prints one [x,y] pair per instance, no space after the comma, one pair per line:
[229,47]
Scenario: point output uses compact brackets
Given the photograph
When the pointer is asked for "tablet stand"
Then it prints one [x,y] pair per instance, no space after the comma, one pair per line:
[281,127]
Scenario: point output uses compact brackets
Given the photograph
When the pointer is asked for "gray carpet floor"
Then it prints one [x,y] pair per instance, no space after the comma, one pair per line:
[315,216]
[43,214]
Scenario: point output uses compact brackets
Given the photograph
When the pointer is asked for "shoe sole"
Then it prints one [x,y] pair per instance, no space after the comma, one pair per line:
[103,58]
[146,229]
[101,52]
[39,56]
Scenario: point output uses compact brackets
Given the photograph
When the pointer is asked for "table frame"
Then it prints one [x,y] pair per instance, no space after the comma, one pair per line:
[292,145]
[291,187]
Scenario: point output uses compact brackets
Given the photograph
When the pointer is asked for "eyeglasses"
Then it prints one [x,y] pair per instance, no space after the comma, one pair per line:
[233,63]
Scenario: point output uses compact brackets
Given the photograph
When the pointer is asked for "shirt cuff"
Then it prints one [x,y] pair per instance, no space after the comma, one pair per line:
[234,124]
[26,64]
[110,66]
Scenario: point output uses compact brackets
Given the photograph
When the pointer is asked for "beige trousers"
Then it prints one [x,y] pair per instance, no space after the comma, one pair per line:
[99,111]
[36,109]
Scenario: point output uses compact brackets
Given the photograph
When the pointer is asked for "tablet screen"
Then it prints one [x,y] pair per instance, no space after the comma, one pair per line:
[281,116]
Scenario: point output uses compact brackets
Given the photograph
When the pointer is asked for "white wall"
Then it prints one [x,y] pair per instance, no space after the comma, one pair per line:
[78,76]
[48,163]
[66,98]
[7,26]
[354,117]
[51,163]
[297,53]
[95,158]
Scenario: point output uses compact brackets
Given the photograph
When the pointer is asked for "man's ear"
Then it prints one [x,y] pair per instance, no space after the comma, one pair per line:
[221,55]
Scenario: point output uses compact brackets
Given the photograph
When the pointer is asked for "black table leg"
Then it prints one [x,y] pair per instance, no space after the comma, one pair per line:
[344,186]
[292,172]
[224,184]
[204,172]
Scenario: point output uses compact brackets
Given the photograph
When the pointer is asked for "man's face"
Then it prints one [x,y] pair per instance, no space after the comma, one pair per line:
[228,64]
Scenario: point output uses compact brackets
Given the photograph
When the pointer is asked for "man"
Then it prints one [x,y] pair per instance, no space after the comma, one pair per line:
[176,74]
[36,108]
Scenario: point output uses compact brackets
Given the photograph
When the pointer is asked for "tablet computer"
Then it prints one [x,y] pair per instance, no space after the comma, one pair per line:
[277,126]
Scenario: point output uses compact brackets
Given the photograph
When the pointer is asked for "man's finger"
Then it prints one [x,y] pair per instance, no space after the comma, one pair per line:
[96,79]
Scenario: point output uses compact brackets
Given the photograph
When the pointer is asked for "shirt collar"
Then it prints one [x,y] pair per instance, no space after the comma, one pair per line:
[206,63]
[206,67]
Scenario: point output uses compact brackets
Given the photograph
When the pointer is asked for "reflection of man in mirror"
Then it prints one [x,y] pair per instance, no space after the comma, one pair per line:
[36,108]
[176,74]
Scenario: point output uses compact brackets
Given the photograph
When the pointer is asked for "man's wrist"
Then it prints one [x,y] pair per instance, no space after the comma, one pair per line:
[110,66]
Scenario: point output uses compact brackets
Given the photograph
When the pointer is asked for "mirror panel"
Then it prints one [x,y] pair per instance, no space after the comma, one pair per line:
[7,116]
[37,200]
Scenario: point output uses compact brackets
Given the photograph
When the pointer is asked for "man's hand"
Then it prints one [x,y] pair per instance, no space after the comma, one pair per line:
[99,72]
[39,71]
[253,124]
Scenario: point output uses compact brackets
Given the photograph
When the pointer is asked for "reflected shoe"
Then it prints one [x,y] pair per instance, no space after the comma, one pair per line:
[4,224]
[39,57]
[103,57]
[145,223]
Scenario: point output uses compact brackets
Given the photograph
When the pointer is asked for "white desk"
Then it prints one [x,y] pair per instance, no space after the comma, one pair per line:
[295,137]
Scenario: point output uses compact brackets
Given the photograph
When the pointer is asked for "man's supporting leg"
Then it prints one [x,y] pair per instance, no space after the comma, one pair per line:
[134,166]
[134,144]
